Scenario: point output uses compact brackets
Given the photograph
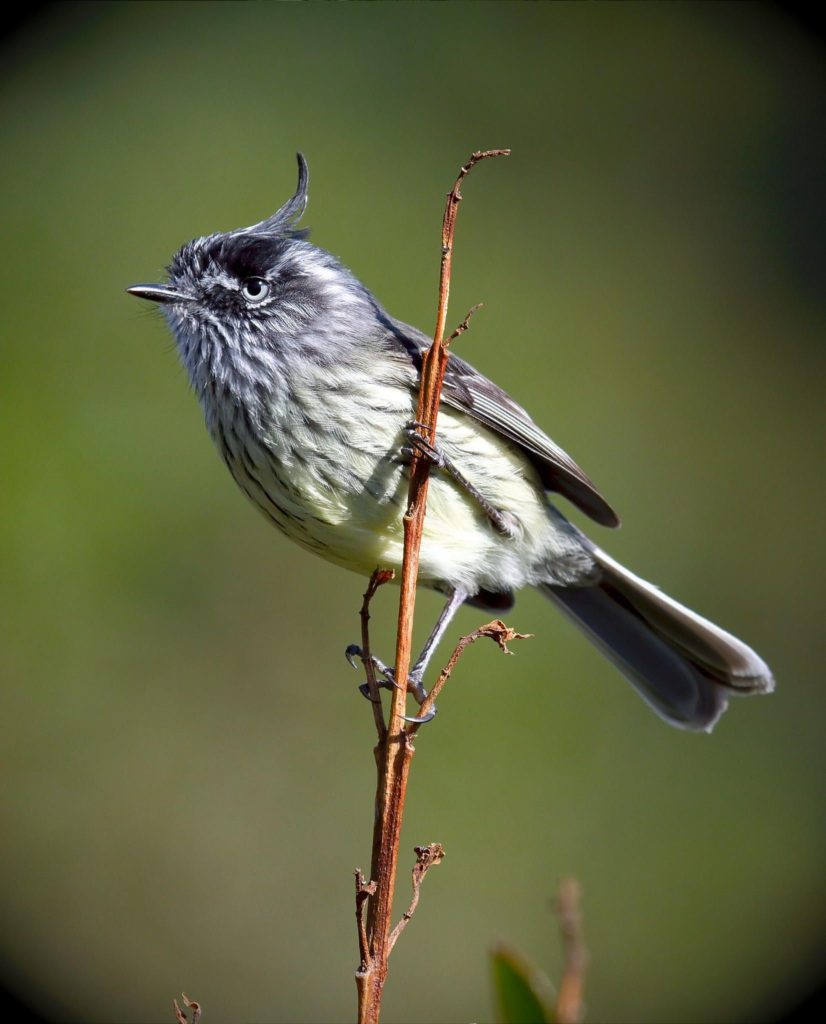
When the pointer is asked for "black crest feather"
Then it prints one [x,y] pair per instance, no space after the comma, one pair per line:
[285,219]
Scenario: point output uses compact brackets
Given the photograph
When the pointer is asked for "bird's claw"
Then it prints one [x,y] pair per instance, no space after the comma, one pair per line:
[388,682]
[421,719]
[415,685]
[351,653]
[364,690]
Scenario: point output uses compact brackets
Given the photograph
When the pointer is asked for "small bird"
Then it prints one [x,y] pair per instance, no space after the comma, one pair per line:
[309,390]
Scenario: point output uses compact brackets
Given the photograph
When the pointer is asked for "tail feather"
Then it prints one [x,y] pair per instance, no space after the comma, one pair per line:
[684,666]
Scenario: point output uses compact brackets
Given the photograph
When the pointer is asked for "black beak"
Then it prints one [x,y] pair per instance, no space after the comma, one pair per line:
[157,293]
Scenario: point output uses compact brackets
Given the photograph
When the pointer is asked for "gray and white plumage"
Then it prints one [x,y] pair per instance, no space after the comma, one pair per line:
[307,386]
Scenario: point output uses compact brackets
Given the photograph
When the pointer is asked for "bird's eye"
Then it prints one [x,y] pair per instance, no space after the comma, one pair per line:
[256,289]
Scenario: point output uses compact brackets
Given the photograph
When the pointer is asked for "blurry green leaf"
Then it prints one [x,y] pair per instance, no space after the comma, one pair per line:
[524,994]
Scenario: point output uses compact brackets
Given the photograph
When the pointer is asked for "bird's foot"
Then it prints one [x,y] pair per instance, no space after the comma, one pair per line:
[416,687]
[420,446]
[388,682]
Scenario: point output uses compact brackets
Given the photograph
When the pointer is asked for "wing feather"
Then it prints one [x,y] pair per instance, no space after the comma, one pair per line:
[471,392]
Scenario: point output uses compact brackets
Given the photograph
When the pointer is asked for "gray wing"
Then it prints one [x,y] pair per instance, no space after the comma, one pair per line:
[470,392]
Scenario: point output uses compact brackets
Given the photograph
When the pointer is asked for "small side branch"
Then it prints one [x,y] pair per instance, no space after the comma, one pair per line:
[378,579]
[364,890]
[496,631]
[463,326]
[572,985]
[426,857]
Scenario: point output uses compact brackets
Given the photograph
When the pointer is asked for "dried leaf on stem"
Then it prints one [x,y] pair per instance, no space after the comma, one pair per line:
[189,1004]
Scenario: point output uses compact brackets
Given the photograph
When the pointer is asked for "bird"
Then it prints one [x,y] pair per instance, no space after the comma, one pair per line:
[309,388]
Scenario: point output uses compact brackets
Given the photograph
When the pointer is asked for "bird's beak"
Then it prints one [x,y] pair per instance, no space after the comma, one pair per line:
[158,293]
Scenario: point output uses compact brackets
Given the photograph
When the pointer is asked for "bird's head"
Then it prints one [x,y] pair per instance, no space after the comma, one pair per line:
[261,288]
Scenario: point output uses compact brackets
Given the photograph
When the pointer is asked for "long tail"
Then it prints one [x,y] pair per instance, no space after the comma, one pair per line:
[684,666]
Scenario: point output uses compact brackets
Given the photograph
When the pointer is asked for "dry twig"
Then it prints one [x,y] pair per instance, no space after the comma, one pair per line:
[189,1004]
[497,631]
[378,579]
[364,890]
[426,857]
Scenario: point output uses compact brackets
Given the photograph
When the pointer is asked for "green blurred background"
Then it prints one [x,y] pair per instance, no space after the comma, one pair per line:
[188,776]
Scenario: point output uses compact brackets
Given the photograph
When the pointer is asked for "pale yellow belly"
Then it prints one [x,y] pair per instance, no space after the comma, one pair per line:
[362,529]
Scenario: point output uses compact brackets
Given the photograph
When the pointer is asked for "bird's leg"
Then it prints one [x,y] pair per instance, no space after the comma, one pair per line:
[416,674]
[504,522]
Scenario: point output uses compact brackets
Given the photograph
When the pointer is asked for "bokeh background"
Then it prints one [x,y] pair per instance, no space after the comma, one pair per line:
[187,767]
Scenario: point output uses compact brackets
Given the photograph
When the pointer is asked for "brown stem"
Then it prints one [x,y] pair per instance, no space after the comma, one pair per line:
[569,997]
[394,750]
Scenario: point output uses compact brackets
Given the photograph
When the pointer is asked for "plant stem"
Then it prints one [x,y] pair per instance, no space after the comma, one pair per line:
[395,749]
